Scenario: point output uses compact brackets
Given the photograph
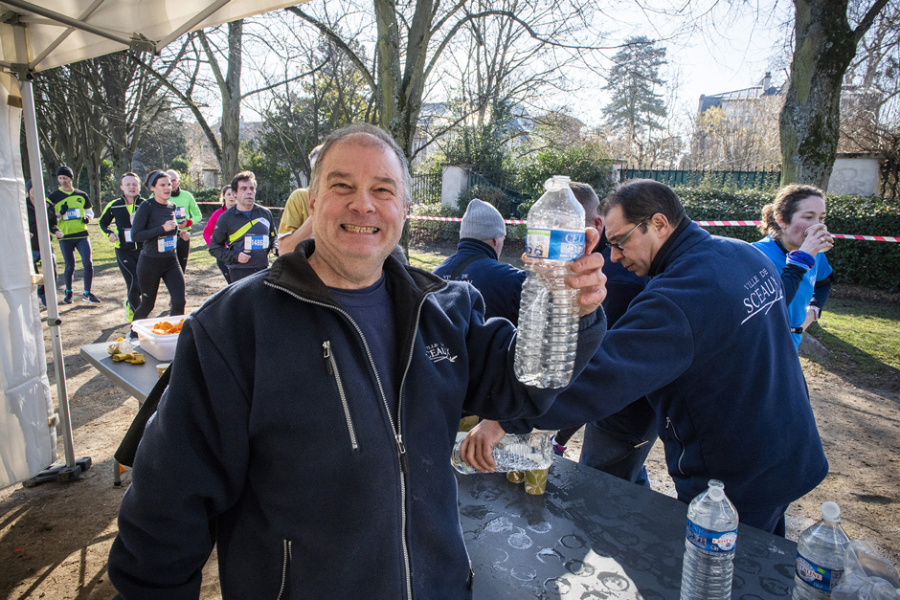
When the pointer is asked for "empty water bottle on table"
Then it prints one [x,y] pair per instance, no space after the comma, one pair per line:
[820,556]
[709,545]
[548,313]
[515,452]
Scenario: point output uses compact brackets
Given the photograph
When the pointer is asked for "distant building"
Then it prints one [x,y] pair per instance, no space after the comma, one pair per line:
[204,168]
[739,130]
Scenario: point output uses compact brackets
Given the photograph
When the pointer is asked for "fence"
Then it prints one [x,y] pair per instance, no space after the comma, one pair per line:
[426,188]
[760,180]
[506,198]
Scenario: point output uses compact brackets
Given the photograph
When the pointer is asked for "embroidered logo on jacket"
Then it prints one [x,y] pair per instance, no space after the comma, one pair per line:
[764,292]
[436,353]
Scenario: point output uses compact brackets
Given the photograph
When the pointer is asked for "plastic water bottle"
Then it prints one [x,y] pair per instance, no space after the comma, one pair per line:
[709,546]
[820,556]
[515,452]
[548,313]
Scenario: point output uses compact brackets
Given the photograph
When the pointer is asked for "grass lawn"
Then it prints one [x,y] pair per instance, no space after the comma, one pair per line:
[864,335]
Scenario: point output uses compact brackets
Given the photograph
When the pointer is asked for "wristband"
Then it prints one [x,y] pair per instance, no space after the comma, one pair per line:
[802,259]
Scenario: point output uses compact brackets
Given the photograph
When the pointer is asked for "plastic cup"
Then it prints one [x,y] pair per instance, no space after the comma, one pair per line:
[467,423]
[536,481]
[515,476]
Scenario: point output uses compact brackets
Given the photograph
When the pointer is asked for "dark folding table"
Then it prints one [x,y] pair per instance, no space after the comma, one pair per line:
[137,380]
[593,536]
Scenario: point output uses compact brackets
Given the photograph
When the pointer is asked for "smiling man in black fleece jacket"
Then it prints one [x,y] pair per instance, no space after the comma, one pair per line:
[309,420]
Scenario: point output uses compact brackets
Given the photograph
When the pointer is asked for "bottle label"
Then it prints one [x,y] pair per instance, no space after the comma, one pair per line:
[711,541]
[554,244]
[820,578]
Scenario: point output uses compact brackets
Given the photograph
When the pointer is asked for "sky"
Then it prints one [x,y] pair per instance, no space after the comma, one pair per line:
[730,45]
[730,48]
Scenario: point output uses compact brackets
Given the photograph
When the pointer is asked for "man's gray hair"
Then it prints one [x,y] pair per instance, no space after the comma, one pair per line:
[361,130]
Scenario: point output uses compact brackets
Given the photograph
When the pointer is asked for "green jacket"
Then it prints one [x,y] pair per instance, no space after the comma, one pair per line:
[184,201]
[73,210]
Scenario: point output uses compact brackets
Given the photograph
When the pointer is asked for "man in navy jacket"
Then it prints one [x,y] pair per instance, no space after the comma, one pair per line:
[477,261]
[312,409]
[707,342]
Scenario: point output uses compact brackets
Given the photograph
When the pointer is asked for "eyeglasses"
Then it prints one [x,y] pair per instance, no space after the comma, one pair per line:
[624,238]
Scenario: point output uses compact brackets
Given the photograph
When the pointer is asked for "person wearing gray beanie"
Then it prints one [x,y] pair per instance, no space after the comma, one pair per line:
[482,222]
[477,261]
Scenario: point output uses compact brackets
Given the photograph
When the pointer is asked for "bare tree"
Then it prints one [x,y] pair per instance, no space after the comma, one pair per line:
[825,44]
[412,39]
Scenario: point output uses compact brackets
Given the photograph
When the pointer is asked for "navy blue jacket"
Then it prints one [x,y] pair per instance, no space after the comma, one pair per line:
[707,342]
[499,283]
[274,430]
[231,222]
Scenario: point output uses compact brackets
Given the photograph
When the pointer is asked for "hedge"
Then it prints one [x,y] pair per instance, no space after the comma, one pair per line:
[871,264]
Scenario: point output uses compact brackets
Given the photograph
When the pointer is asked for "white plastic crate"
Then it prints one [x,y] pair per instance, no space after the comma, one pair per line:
[162,347]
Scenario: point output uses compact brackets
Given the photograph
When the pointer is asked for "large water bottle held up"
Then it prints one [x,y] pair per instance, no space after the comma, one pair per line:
[548,313]
[515,452]
[820,556]
[709,545]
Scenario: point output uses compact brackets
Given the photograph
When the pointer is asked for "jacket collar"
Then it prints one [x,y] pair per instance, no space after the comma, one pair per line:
[686,235]
[477,246]
[293,272]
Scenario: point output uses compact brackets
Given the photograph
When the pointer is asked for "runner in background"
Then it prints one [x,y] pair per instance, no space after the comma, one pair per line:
[32,229]
[155,226]
[121,213]
[227,198]
[244,235]
[187,213]
[295,225]
[74,212]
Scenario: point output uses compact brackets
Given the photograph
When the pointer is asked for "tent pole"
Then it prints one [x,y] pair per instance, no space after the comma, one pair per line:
[53,320]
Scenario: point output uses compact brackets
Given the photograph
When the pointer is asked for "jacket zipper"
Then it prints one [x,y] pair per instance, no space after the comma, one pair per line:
[398,434]
[331,367]
[284,567]
[675,433]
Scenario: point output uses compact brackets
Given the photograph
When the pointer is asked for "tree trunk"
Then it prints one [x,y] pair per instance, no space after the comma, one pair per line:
[115,82]
[231,104]
[810,119]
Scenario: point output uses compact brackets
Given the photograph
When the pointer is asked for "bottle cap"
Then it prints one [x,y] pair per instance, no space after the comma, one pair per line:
[557,182]
[831,512]
[716,490]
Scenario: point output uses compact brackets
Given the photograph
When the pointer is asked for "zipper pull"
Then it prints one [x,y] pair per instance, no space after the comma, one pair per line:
[327,346]
[404,466]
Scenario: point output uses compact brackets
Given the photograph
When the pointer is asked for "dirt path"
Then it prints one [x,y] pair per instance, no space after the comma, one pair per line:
[54,539]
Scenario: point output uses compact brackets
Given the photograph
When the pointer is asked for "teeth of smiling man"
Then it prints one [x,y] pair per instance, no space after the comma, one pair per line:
[355,229]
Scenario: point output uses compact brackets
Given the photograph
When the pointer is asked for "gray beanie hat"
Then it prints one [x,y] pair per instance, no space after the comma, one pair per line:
[64,170]
[482,222]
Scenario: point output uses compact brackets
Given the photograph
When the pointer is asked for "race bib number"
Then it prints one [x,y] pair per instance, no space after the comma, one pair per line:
[256,242]
[180,212]
[126,233]
[166,244]
[711,541]
[72,214]
[554,244]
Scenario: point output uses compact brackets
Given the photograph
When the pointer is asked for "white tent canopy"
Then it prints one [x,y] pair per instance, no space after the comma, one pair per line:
[36,35]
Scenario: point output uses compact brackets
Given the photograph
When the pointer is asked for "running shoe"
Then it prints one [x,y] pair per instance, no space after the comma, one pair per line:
[90,298]
[558,449]
[129,314]
[67,299]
